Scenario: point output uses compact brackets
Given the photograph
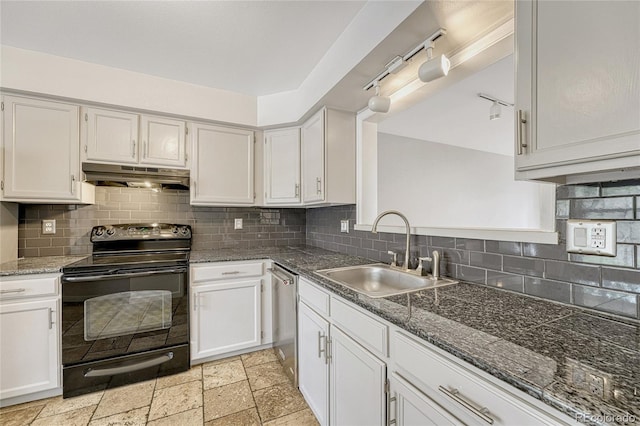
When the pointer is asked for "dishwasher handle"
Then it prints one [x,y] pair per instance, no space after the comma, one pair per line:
[280,276]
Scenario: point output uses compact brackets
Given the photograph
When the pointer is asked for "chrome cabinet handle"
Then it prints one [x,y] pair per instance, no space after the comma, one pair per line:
[318,185]
[454,394]
[15,290]
[73,184]
[321,336]
[231,273]
[390,400]
[133,148]
[145,149]
[328,343]
[297,190]
[195,302]
[522,120]
[51,311]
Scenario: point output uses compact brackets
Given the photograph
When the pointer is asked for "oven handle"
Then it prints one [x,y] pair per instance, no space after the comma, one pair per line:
[129,368]
[127,275]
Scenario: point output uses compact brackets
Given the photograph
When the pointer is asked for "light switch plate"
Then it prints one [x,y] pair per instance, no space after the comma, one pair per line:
[344,226]
[237,223]
[48,226]
[591,237]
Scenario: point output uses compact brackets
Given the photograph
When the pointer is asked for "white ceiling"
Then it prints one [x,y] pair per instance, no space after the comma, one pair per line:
[457,116]
[251,47]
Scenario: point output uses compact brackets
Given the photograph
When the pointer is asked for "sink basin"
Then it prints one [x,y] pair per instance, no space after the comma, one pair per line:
[380,280]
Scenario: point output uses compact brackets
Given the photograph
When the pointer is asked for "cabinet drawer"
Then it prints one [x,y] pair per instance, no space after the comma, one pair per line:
[32,286]
[314,297]
[360,326]
[461,391]
[226,270]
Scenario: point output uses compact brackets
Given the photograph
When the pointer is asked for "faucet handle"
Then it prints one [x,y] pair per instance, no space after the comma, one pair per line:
[395,257]
[419,269]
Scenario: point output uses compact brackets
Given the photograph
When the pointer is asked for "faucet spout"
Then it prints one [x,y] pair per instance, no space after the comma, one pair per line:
[374,230]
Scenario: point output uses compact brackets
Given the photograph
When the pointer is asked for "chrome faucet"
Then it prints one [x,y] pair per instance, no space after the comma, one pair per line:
[374,230]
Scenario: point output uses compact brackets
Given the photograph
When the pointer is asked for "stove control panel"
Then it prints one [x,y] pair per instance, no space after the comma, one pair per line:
[140,231]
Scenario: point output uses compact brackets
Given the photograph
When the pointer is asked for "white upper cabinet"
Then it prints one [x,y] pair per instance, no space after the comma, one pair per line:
[222,166]
[282,167]
[41,144]
[127,138]
[313,161]
[111,136]
[577,88]
[163,141]
[328,158]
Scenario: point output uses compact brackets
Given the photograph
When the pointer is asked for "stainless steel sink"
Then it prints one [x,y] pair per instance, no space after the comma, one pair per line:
[380,280]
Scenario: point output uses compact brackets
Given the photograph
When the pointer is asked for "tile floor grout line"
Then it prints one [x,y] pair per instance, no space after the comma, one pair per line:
[253,396]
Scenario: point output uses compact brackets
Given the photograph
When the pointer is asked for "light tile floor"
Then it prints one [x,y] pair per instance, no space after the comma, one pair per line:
[249,389]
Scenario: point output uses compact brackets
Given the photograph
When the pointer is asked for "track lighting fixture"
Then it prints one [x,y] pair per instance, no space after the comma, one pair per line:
[430,70]
[495,111]
[379,103]
[436,67]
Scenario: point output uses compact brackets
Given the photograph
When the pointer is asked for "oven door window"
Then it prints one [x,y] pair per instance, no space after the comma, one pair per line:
[126,312]
[108,316]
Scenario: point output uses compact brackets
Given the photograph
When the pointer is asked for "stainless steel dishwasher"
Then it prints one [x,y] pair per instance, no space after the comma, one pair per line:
[285,319]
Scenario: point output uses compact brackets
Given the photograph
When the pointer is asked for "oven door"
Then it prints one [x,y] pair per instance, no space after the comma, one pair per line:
[105,316]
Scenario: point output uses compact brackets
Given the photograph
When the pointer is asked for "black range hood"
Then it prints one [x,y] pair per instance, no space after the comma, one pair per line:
[135,177]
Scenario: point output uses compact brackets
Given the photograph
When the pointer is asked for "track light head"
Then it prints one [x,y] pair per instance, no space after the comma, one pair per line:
[495,111]
[379,103]
[434,68]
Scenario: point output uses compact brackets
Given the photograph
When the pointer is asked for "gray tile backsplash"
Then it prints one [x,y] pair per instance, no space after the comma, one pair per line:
[609,284]
[213,226]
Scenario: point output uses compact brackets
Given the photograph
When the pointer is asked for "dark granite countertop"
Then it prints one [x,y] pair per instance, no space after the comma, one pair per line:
[36,265]
[543,348]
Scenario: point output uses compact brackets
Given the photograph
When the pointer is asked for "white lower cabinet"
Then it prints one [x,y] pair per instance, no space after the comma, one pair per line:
[343,383]
[345,353]
[408,406]
[356,385]
[313,370]
[226,305]
[29,335]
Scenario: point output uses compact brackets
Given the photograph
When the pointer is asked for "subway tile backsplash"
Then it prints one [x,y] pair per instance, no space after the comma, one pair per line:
[213,226]
[608,284]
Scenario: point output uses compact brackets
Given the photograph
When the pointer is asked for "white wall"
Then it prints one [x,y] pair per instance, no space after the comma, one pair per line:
[31,71]
[444,186]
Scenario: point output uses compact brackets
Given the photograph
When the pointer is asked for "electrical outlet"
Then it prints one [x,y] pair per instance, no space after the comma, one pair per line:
[49,226]
[591,237]
[344,226]
[237,223]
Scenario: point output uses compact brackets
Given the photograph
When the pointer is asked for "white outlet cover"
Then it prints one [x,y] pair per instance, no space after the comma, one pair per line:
[344,226]
[591,237]
[237,223]
[48,226]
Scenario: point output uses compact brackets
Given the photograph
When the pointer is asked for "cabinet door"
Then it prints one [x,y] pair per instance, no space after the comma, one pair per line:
[282,166]
[413,408]
[356,384]
[29,360]
[111,136]
[226,317]
[222,169]
[41,150]
[580,105]
[313,159]
[163,141]
[313,368]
